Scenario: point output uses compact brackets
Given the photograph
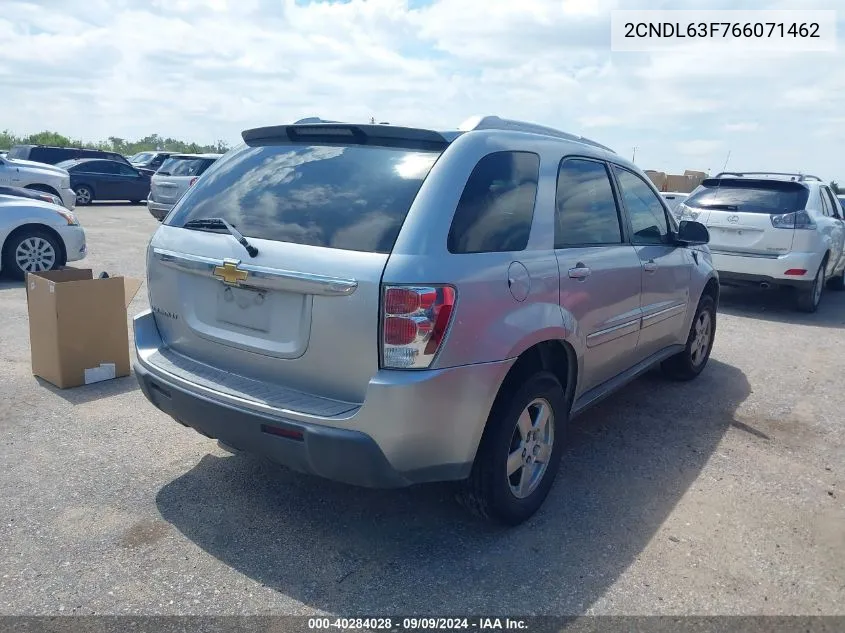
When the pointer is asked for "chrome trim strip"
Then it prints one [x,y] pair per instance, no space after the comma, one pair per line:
[261,276]
[612,333]
[662,315]
[743,254]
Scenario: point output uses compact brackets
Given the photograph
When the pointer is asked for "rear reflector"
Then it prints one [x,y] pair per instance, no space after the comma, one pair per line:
[797,272]
[291,434]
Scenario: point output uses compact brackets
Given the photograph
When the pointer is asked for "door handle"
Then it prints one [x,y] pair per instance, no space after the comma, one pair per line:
[650,266]
[579,272]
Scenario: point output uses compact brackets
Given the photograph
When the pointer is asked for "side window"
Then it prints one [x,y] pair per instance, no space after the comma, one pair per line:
[125,170]
[99,167]
[585,208]
[496,208]
[648,218]
[835,209]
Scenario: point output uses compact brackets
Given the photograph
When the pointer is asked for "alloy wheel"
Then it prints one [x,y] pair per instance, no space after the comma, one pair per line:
[531,448]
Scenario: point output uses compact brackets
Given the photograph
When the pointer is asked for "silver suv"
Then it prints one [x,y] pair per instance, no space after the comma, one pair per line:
[386,306]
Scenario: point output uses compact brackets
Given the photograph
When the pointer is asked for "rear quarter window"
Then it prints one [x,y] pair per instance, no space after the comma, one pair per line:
[496,208]
[346,197]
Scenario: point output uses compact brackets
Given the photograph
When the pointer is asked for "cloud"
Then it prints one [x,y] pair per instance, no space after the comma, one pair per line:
[207,69]
[741,126]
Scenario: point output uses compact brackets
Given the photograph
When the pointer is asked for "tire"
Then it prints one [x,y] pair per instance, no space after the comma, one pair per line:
[84,195]
[490,492]
[808,300]
[18,246]
[837,283]
[689,363]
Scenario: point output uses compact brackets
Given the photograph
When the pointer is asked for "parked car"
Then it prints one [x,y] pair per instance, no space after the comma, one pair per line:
[773,230]
[95,179]
[54,155]
[149,160]
[3,154]
[383,306]
[36,235]
[38,177]
[673,200]
[31,194]
[175,176]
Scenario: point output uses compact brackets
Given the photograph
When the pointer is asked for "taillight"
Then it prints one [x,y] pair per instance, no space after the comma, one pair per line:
[794,220]
[415,320]
[193,180]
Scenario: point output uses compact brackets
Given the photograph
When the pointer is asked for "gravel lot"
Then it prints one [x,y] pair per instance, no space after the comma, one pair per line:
[721,496]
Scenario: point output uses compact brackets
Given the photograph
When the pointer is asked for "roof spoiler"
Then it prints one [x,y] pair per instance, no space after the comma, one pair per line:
[741,174]
[358,134]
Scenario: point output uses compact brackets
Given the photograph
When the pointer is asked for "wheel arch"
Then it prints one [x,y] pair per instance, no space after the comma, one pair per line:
[45,188]
[32,226]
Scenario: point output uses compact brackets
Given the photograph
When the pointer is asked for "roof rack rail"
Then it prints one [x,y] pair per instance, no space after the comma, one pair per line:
[492,122]
[798,176]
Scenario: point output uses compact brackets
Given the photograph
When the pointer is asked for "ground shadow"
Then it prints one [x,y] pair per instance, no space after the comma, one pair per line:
[94,391]
[355,551]
[10,284]
[778,305]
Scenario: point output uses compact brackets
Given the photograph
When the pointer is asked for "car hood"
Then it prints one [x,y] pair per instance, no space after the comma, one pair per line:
[9,203]
[32,165]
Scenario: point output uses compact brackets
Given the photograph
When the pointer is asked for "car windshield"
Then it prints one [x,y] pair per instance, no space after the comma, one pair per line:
[141,157]
[753,196]
[347,197]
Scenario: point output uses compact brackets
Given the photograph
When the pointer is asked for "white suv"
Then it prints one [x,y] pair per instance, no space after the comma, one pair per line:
[772,229]
[39,177]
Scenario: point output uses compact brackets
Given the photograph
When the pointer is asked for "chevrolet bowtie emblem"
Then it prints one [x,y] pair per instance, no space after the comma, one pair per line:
[229,273]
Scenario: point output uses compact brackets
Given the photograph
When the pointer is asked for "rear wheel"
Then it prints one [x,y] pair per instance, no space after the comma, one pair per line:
[84,195]
[808,300]
[687,364]
[837,283]
[519,454]
[30,251]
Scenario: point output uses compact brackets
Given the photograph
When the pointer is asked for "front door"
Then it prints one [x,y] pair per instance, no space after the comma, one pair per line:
[600,274]
[666,267]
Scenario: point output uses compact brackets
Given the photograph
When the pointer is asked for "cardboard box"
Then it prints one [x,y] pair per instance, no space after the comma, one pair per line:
[77,326]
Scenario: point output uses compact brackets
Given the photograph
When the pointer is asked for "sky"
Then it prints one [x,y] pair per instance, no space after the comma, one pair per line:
[203,70]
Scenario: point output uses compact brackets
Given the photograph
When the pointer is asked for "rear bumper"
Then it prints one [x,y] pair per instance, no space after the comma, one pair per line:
[741,270]
[413,427]
[158,209]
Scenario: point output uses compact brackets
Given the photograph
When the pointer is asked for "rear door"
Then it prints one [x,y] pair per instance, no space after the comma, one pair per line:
[600,276]
[834,228]
[102,175]
[738,213]
[666,268]
[303,313]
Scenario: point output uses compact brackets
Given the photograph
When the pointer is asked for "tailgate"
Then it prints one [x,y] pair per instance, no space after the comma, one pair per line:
[303,313]
[738,213]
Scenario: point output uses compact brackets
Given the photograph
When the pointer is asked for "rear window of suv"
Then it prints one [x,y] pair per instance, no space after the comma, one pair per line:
[184,166]
[750,196]
[347,197]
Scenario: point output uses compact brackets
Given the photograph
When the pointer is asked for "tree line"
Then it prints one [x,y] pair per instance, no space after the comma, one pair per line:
[113,144]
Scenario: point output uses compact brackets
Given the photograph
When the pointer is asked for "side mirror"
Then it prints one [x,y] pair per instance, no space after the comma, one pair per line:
[692,233]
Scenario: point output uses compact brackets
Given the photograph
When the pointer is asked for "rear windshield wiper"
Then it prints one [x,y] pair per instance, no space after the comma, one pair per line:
[220,223]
